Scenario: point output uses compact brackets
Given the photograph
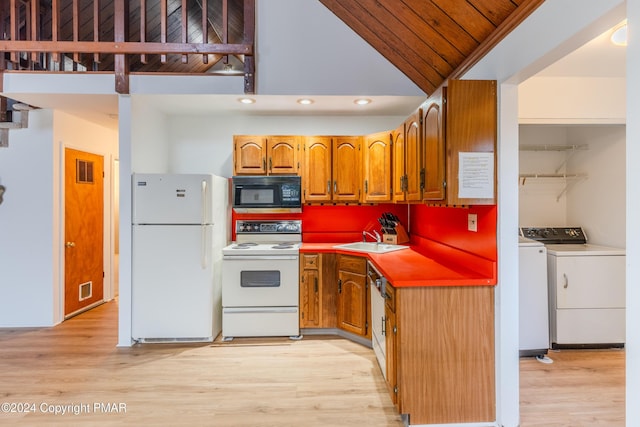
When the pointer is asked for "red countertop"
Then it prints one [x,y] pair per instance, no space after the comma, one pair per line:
[419,266]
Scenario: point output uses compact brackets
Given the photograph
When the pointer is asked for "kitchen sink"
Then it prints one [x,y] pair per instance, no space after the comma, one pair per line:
[370,247]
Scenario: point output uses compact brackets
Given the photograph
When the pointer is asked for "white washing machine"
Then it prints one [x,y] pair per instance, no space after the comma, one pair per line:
[534,302]
[586,289]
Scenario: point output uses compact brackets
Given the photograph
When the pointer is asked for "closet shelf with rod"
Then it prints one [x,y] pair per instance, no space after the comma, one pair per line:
[569,179]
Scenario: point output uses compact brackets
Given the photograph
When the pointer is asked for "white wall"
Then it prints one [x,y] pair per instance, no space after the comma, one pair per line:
[149,139]
[27,252]
[571,100]
[632,345]
[303,48]
[596,202]
[599,202]
[538,198]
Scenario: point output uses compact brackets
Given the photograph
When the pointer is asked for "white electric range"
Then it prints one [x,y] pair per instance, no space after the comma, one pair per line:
[260,280]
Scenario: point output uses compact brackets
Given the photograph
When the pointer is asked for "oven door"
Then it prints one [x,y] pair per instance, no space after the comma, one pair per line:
[260,281]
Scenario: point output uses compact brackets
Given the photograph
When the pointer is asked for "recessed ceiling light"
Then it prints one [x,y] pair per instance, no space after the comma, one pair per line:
[247,100]
[305,101]
[619,35]
[362,101]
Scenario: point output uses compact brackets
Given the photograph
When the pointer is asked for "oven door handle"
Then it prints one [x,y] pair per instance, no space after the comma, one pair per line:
[260,284]
[242,310]
[259,257]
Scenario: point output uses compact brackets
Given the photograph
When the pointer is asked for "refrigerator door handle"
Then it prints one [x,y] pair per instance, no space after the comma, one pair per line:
[204,201]
[203,227]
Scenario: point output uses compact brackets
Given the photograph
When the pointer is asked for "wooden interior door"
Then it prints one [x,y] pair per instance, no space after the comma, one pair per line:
[84,216]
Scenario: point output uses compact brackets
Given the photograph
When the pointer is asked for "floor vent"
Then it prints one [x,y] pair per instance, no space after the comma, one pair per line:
[85,291]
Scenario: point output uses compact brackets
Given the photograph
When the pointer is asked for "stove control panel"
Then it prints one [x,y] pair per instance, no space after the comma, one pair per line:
[269,227]
[555,235]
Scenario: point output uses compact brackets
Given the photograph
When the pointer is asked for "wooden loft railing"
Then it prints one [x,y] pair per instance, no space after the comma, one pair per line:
[122,36]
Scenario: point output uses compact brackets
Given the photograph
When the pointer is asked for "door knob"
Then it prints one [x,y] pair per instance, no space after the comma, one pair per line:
[70,244]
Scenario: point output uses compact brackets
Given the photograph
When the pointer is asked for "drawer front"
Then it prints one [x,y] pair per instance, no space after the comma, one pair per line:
[310,261]
[353,264]
[391,297]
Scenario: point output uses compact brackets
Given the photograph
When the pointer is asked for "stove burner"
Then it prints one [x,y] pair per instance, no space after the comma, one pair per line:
[246,245]
[283,246]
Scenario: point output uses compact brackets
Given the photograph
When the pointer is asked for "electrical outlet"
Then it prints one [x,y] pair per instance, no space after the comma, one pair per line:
[472,222]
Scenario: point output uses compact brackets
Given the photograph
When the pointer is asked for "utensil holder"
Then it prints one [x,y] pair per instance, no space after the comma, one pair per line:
[400,237]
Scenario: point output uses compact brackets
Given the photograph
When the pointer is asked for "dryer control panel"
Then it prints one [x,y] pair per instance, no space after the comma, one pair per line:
[555,235]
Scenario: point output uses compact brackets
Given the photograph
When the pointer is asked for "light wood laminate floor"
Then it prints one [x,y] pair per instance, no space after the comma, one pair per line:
[581,388]
[247,382]
[318,381]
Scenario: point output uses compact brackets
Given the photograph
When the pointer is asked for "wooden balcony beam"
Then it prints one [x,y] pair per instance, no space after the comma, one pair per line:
[120,34]
[249,37]
[126,48]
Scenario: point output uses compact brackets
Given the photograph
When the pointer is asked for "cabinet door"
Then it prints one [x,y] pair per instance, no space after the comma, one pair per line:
[590,281]
[413,159]
[317,182]
[310,299]
[347,165]
[390,341]
[398,169]
[352,302]
[433,136]
[283,155]
[376,160]
[471,125]
[249,155]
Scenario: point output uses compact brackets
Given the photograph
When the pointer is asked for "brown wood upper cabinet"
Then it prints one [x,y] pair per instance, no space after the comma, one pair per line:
[460,118]
[332,166]
[376,168]
[407,160]
[266,155]
[433,144]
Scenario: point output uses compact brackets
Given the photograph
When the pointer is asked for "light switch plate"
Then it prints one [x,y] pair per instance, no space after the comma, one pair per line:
[472,222]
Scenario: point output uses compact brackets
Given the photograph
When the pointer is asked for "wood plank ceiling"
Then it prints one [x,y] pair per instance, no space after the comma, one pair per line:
[432,40]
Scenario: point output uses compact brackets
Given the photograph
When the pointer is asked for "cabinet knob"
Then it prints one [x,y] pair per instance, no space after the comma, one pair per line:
[70,244]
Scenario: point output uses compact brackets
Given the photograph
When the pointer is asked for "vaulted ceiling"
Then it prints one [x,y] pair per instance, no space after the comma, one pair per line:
[428,40]
[432,40]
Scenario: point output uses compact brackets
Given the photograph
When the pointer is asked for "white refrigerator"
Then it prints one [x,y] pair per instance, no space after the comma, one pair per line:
[180,225]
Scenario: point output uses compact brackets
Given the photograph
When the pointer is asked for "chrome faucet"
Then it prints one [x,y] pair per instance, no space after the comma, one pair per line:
[375,236]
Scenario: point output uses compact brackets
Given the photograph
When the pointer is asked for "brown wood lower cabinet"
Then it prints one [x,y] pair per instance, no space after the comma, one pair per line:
[318,290]
[444,354]
[353,293]
[310,291]
[391,334]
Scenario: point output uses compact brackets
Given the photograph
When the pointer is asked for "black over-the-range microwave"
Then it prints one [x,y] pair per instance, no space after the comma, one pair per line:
[273,193]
